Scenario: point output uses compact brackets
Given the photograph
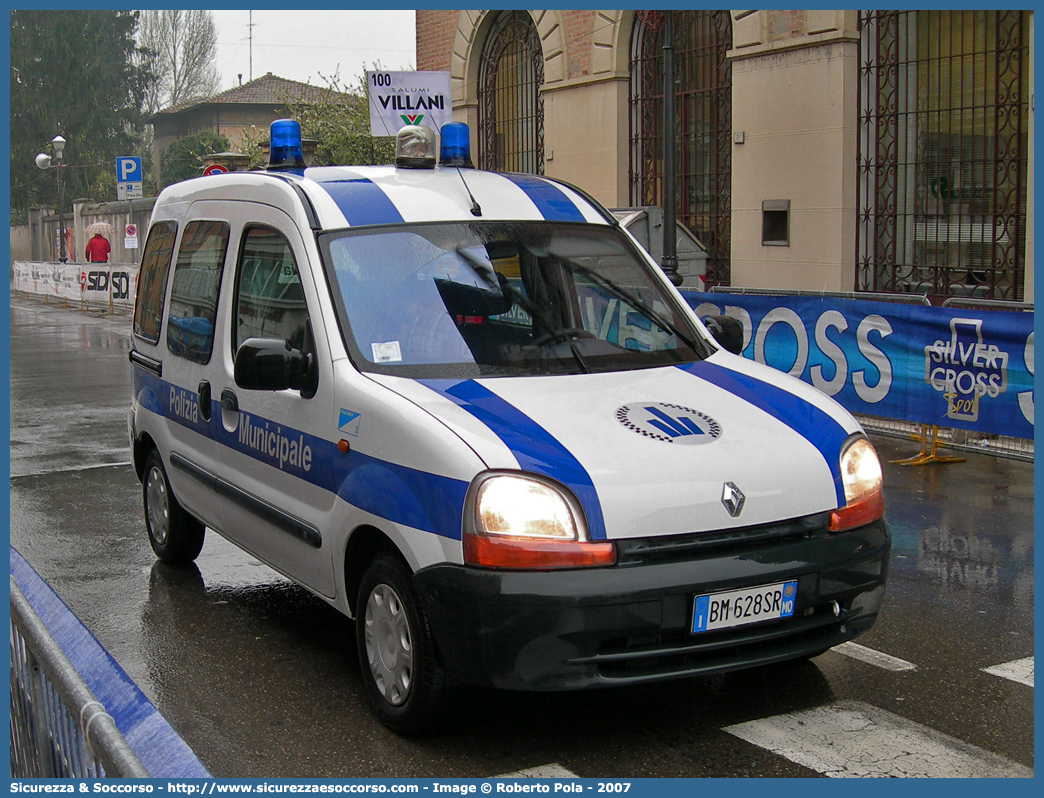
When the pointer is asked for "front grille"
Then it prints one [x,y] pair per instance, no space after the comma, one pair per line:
[679,652]
[692,546]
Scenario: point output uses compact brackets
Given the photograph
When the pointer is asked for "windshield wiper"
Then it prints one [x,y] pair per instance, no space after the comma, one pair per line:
[636,303]
[579,358]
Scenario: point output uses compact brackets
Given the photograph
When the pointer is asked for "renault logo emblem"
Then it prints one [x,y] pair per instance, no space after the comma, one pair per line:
[733,498]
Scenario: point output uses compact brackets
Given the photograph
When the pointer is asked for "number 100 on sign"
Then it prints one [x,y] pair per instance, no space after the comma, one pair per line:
[741,607]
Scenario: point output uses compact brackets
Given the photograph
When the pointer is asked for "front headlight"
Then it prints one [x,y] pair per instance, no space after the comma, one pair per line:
[519,507]
[861,479]
[519,521]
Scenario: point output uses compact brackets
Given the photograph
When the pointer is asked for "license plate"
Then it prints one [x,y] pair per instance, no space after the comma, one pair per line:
[741,607]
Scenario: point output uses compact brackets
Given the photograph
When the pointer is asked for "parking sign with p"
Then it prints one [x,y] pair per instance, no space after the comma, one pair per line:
[128,169]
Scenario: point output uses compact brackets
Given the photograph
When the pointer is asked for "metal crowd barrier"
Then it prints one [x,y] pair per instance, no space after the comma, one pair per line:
[58,728]
[109,286]
[957,439]
[901,299]
[987,304]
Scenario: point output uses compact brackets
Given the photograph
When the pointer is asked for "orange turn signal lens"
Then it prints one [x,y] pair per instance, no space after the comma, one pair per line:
[859,513]
[531,554]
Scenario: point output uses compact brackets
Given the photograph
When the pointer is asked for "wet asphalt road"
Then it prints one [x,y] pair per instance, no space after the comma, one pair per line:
[260,678]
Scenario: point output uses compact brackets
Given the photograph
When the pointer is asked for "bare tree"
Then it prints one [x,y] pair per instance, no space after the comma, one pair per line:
[181,50]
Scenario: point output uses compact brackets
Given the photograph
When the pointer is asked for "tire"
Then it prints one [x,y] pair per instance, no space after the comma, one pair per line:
[176,536]
[404,679]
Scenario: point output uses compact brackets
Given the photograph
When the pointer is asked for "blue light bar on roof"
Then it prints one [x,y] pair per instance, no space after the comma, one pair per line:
[284,151]
[456,145]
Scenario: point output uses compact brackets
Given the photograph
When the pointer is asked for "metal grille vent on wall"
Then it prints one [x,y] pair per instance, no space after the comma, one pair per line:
[944,103]
[511,110]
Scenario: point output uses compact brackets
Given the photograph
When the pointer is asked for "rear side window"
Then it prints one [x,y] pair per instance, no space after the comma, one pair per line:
[269,301]
[194,292]
[152,280]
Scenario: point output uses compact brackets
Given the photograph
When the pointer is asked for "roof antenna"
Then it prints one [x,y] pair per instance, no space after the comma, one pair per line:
[476,209]
[455,150]
[250,27]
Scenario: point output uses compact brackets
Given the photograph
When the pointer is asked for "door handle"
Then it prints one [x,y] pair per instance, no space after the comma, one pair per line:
[203,399]
[229,400]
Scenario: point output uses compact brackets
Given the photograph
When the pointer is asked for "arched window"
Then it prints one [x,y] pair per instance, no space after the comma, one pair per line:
[511,110]
[703,125]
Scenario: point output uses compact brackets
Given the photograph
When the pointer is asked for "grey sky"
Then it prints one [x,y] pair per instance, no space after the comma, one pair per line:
[302,45]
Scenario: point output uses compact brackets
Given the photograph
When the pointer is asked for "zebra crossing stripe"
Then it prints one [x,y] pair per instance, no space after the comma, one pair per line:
[850,739]
[1018,670]
[552,771]
[872,657]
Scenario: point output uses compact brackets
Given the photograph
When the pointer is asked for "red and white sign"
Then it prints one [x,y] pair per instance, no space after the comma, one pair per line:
[215,169]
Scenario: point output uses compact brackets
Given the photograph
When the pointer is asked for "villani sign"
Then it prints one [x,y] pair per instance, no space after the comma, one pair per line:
[408,98]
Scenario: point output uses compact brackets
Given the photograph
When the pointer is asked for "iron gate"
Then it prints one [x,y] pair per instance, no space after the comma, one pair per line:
[703,127]
[511,110]
[943,142]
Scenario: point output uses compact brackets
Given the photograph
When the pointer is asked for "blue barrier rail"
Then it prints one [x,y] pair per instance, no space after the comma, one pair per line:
[158,747]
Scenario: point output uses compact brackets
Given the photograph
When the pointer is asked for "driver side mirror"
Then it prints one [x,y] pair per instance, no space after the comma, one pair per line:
[271,364]
[727,331]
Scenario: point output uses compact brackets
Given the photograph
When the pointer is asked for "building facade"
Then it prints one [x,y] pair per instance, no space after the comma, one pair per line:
[816,150]
[238,114]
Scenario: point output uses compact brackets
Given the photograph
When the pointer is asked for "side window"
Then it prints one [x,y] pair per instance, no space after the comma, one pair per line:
[194,293]
[152,280]
[269,302]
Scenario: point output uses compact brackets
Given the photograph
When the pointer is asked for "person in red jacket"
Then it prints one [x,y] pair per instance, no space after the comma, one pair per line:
[97,250]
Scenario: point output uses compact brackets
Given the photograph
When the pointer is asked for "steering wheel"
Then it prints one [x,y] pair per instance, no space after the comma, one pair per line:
[565,334]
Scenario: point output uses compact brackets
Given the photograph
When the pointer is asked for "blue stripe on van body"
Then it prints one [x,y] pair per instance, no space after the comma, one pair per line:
[534,447]
[362,201]
[402,495]
[814,425]
[397,493]
[550,200]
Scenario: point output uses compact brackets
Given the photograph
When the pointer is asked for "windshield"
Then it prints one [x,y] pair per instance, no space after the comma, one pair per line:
[483,299]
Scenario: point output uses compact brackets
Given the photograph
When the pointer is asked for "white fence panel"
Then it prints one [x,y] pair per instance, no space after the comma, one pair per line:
[109,285]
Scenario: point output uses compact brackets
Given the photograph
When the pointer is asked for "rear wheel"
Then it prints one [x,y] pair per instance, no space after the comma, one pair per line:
[404,680]
[176,536]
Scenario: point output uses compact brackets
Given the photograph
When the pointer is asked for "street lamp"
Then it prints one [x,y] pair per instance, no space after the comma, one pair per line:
[43,160]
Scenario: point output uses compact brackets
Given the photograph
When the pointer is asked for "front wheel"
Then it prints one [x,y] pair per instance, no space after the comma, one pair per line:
[404,680]
[176,536]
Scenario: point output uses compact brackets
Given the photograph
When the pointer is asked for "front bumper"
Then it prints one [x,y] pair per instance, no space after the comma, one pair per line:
[559,630]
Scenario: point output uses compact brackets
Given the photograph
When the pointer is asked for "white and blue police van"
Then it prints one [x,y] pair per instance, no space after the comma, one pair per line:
[467,410]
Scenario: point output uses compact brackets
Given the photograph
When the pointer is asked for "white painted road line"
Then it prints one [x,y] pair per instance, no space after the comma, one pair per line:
[1019,670]
[552,771]
[872,657]
[850,739]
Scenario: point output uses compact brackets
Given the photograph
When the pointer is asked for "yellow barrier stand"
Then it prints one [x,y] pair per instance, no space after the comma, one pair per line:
[929,453]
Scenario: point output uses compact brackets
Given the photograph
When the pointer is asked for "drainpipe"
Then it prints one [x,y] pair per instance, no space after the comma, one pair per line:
[670,234]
